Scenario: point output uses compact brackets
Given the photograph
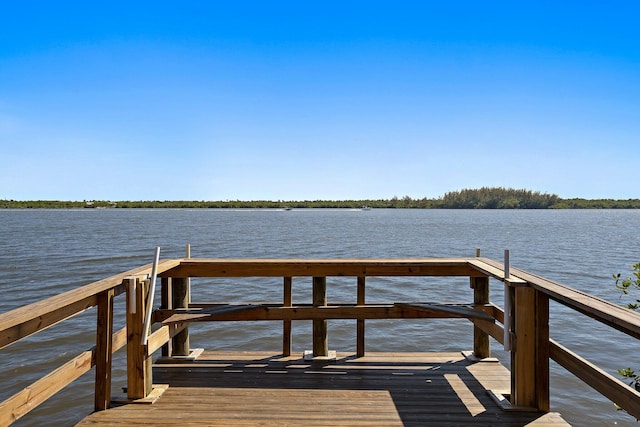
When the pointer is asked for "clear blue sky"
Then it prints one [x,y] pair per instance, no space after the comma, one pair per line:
[294,100]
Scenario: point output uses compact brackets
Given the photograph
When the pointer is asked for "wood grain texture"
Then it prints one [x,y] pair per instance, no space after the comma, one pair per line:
[104,350]
[610,314]
[138,363]
[606,384]
[380,389]
[481,345]
[286,324]
[180,299]
[322,267]
[24,321]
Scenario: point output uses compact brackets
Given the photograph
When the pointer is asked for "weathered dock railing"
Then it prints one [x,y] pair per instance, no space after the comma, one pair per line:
[527,333]
[25,321]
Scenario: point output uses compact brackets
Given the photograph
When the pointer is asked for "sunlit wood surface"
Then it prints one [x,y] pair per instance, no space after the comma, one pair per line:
[380,389]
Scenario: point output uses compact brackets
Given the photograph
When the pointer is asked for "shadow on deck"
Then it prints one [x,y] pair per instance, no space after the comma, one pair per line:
[383,389]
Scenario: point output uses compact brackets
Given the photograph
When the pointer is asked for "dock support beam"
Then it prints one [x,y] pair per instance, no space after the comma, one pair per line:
[139,379]
[166,302]
[286,324]
[543,347]
[180,299]
[481,344]
[320,337]
[530,354]
[104,350]
[360,322]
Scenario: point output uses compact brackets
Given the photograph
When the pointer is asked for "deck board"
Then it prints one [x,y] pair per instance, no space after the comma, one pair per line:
[380,389]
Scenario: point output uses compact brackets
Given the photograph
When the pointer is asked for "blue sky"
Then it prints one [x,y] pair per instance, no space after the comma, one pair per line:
[289,100]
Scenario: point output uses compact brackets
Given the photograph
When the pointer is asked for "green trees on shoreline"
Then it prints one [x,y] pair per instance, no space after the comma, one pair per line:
[498,198]
[483,198]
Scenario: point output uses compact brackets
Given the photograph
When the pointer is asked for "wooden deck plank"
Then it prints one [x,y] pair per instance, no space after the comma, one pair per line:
[380,389]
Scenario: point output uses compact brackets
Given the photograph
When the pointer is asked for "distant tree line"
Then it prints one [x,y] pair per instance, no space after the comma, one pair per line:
[597,204]
[483,198]
[498,198]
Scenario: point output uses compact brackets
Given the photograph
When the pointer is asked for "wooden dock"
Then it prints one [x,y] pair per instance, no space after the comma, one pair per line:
[237,388]
[379,389]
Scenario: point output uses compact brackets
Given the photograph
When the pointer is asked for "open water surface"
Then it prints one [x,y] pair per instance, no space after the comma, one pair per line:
[46,252]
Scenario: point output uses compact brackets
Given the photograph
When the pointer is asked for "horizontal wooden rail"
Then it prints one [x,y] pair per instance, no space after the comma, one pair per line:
[493,329]
[609,386]
[491,309]
[322,267]
[32,318]
[37,393]
[610,314]
[13,329]
[160,337]
[241,312]
[494,269]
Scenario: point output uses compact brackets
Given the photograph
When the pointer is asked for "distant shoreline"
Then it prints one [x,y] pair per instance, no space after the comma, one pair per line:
[482,198]
[32,208]
[317,204]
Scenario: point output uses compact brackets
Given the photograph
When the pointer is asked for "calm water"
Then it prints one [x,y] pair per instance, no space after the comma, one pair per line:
[43,253]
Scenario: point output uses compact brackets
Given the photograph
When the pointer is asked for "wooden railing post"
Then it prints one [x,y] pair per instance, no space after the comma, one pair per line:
[320,340]
[166,302]
[360,322]
[104,350]
[139,379]
[524,350]
[530,355]
[180,299]
[542,351]
[481,344]
[286,324]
